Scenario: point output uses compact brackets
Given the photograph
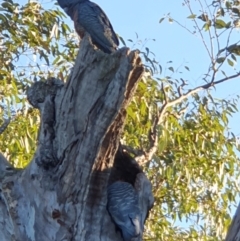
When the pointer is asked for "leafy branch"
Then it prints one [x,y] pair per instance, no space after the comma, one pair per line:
[147,155]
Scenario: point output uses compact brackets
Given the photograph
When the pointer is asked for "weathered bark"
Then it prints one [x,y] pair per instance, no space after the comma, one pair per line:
[234,230]
[61,195]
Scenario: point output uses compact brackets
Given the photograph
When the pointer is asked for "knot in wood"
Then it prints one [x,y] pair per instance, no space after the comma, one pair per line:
[37,93]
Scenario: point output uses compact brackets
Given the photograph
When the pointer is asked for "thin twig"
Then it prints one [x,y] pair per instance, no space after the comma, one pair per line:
[174,20]
[199,30]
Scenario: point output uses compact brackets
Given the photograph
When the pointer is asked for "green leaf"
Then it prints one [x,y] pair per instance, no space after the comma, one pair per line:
[234,57]
[230,62]
[192,16]
[219,24]
[236,11]
[204,17]
[207,25]
[122,40]
[161,19]
[220,60]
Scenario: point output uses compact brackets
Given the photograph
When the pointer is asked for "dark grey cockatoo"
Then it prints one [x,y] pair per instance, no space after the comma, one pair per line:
[123,206]
[89,17]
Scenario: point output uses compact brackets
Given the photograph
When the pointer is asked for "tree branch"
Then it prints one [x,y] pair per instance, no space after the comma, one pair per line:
[153,134]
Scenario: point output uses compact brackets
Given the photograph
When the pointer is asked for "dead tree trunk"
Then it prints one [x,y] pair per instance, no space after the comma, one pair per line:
[61,195]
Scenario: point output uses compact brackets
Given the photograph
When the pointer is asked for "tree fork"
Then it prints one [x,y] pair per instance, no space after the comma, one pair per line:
[61,195]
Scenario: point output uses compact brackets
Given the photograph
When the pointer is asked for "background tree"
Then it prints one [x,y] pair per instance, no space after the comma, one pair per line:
[179,136]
